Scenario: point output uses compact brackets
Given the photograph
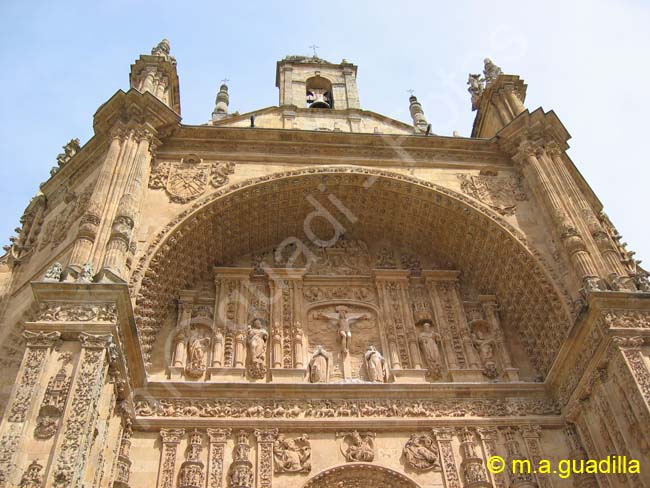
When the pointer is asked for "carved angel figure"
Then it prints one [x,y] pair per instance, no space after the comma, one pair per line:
[292,455]
[429,340]
[360,449]
[491,71]
[376,366]
[257,338]
[421,453]
[343,322]
[54,272]
[476,88]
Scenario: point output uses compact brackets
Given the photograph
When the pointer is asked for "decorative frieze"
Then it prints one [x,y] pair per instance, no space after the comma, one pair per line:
[77,312]
[277,409]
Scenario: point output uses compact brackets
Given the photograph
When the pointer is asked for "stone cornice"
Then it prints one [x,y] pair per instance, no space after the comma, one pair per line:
[122,329]
[316,147]
[591,337]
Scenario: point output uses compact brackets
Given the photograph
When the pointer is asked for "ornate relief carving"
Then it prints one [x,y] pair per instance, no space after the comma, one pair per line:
[74,312]
[191,472]
[292,455]
[513,451]
[501,193]
[170,440]
[187,180]
[525,272]
[31,371]
[358,447]
[218,439]
[78,426]
[360,294]
[421,453]
[54,400]
[627,319]
[57,228]
[241,408]
[241,469]
[450,473]
[473,472]
[360,476]
[32,478]
[265,445]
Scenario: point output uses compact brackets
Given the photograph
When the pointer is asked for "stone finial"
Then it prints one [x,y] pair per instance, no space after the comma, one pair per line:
[221,104]
[491,71]
[163,49]
[476,89]
[417,113]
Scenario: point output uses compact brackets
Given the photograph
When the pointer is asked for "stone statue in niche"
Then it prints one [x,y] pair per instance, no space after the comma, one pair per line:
[376,367]
[343,321]
[429,340]
[197,353]
[257,338]
[319,366]
[292,455]
[358,448]
[421,453]
[485,344]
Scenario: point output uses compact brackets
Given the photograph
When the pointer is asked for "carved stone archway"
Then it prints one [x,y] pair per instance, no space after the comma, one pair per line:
[451,229]
[360,475]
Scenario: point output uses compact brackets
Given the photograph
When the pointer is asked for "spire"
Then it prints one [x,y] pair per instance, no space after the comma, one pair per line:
[156,73]
[419,120]
[221,103]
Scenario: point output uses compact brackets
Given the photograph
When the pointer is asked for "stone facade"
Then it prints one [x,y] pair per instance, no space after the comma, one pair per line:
[314,295]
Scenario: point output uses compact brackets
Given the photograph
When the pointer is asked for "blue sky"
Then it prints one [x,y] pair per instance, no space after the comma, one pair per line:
[587,60]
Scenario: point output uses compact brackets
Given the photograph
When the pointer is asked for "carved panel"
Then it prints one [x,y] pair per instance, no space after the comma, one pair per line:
[501,193]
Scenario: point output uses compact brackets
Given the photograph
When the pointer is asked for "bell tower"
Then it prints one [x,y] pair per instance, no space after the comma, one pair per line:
[312,82]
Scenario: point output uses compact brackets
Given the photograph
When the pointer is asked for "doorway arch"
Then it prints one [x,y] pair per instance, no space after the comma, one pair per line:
[360,475]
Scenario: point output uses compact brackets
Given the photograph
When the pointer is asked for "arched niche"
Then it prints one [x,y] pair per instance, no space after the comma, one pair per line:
[434,222]
[360,475]
[319,92]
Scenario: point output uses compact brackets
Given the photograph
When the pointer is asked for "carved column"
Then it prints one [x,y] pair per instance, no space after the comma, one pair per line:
[472,469]
[241,469]
[191,473]
[601,238]
[90,221]
[217,439]
[530,156]
[531,435]
[123,460]
[265,440]
[518,479]
[577,452]
[285,285]
[22,403]
[170,438]
[79,422]
[449,471]
[489,436]
[128,208]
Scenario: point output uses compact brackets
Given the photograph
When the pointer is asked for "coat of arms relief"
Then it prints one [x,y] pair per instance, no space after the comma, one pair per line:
[188,179]
[499,192]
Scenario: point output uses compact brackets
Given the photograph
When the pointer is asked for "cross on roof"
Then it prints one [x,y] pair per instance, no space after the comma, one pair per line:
[313,47]
[225,80]
[411,91]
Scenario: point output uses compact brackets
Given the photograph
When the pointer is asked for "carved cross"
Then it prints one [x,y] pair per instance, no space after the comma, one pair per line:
[313,47]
